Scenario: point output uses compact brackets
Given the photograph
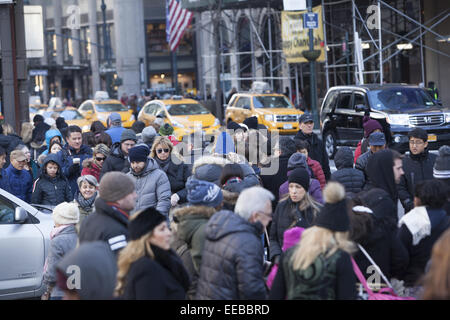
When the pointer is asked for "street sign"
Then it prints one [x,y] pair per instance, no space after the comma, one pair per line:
[310,20]
[6,1]
[34,73]
[294,5]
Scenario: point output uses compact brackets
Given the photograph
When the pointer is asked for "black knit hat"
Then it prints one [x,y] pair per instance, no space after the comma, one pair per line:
[441,169]
[233,125]
[145,222]
[251,122]
[300,176]
[334,215]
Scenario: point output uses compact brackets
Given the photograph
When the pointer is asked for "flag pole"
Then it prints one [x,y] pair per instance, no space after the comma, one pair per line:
[174,70]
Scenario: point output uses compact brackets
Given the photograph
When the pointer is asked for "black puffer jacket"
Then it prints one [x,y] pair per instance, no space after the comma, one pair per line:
[363,160]
[232,262]
[417,168]
[115,161]
[105,224]
[51,191]
[287,213]
[178,175]
[352,179]
[274,182]
[317,151]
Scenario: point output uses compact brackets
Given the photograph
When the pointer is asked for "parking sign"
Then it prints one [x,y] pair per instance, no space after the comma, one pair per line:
[310,20]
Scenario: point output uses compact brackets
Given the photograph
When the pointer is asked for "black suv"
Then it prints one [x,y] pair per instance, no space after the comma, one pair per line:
[398,107]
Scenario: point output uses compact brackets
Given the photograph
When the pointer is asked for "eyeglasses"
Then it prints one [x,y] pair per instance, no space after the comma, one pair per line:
[417,143]
[100,158]
[161,150]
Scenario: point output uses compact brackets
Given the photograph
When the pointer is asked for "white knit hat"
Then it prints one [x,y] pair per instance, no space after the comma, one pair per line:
[66,213]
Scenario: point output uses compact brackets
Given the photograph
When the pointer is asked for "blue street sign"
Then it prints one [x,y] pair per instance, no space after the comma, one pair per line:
[310,20]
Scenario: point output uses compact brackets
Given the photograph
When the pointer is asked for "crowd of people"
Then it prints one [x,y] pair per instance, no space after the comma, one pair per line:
[147,217]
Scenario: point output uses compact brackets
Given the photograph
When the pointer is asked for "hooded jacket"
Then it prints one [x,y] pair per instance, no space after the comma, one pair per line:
[115,132]
[20,183]
[352,179]
[363,160]
[106,224]
[98,270]
[317,171]
[38,134]
[51,191]
[178,175]
[232,261]
[115,161]
[49,135]
[417,168]
[70,170]
[153,188]
[317,151]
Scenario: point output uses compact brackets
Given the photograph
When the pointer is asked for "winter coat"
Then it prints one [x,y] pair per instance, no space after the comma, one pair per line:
[98,270]
[20,183]
[84,211]
[361,148]
[362,161]
[317,151]
[417,168]
[317,171]
[62,243]
[9,143]
[4,183]
[107,224]
[115,161]
[49,135]
[384,248]
[231,194]
[352,179]
[314,189]
[160,278]
[38,134]
[419,230]
[115,133]
[191,229]
[70,170]
[177,175]
[327,278]
[153,188]
[273,182]
[232,261]
[51,191]
[182,250]
[286,215]
[91,168]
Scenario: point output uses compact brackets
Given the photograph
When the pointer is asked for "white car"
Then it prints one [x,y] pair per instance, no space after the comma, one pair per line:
[24,244]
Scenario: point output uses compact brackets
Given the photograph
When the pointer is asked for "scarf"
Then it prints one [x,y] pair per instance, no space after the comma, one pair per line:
[163,164]
[172,263]
[418,223]
[86,204]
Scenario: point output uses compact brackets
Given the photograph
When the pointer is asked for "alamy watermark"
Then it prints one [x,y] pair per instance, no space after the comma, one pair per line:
[373,21]
[74,279]
[73,20]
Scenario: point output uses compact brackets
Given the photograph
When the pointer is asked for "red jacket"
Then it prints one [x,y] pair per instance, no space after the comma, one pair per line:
[89,167]
[318,172]
[358,151]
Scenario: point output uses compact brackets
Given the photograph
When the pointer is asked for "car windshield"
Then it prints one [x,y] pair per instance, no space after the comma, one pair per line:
[399,99]
[33,110]
[110,107]
[186,109]
[271,102]
[71,115]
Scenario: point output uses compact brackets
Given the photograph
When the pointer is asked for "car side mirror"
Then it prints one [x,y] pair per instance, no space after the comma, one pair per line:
[246,107]
[361,108]
[20,215]
[161,115]
[438,102]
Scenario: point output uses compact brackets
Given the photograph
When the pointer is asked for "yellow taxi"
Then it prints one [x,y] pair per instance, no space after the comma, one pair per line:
[273,110]
[102,108]
[75,118]
[184,115]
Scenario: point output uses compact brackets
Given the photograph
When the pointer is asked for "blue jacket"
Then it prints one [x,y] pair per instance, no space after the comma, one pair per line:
[71,171]
[20,183]
[4,184]
[115,133]
[49,135]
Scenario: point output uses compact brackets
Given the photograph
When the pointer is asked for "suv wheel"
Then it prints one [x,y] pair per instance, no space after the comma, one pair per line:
[329,138]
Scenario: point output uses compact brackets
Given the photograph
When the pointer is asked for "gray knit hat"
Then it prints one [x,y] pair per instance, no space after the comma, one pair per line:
[148,134]
[441,168]
[115,185]
[128,134]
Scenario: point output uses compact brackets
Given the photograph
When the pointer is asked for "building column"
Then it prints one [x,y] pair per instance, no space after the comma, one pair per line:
[59,45]
[94,48]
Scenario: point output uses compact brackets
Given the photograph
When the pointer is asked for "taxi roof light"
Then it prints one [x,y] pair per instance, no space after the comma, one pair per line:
[260,87]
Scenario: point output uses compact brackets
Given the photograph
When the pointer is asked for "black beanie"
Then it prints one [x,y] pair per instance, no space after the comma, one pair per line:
[251,122]
[139,153]
[145,222]
[334,214]
[233,125]
[300,176]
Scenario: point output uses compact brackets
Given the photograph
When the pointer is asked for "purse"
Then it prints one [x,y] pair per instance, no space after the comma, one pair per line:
[382,294]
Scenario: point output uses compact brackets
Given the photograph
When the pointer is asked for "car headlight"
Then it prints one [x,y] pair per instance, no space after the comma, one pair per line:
[398,119]
[132,118]
[175,123]
[447,117]
[268,117]
[216,122]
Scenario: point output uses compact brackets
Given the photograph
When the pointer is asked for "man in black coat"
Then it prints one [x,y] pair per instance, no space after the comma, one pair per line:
[109,222]
[352,179]
[317,151]
[418,166]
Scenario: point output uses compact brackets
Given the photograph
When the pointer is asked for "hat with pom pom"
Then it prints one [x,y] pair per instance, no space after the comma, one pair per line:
[334,214]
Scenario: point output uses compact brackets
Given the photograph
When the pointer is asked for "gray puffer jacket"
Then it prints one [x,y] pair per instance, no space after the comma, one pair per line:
[152,187]
[60,245]
[232,260]
[352,179]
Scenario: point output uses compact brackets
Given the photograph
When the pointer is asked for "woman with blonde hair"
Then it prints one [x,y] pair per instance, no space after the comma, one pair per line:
[147,268]
[437,280]
[177,171]
[319,266]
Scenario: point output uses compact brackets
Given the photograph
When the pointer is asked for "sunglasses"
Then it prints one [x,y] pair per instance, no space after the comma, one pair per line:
[100,158]
[161,150]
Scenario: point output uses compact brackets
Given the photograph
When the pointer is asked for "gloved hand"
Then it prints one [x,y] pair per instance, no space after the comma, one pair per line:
[174,199]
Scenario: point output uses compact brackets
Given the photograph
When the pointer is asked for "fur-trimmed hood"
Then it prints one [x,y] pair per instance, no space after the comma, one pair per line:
[185,211]
[219,161]
[230,197]
[209,169]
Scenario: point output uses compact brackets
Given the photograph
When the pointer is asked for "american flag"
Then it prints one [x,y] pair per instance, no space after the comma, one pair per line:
[177,20]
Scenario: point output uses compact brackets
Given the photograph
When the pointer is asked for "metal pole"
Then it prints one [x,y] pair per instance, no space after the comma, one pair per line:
[270,49]
[106,48]
[312,70]
[325,43]
[347,58]
[380,46]
[354,31]
[296,84]
[217,50]
[421,43]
